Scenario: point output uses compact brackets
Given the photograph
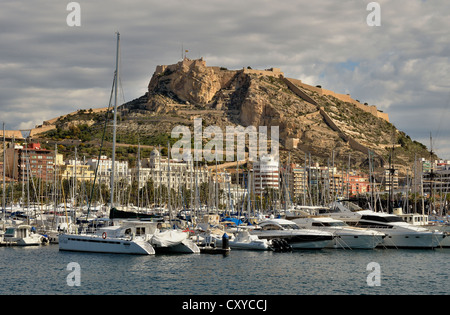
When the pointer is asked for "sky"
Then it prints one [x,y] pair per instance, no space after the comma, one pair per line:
[49,68]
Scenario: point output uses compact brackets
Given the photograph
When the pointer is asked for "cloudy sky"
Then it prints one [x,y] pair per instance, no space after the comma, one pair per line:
[48,68]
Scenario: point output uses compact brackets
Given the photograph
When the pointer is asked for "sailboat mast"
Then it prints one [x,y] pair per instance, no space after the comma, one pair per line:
[113,170]
[4,171]
[431,206]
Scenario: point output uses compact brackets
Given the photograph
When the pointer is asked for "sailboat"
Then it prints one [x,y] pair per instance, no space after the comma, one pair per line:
[125,238]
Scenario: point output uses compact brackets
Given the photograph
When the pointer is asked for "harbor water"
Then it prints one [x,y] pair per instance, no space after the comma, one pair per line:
[46,270]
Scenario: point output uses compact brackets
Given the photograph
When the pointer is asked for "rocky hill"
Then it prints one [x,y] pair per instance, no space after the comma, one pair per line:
[312,121]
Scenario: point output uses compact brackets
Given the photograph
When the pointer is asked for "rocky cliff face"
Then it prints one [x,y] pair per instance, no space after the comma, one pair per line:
[189,81]
[309,120]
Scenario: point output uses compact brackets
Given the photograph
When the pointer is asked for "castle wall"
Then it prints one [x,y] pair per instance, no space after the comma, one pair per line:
[273,72]
[291,142]
[355,145]
[342,97]
[294,88]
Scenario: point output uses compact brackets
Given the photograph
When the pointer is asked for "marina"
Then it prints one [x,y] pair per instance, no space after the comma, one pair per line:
[184,230]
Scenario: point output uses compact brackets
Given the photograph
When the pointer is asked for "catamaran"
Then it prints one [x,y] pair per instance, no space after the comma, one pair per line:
[124,238]
[129,237]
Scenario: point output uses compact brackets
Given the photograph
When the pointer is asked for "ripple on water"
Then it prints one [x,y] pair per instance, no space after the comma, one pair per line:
[42,270]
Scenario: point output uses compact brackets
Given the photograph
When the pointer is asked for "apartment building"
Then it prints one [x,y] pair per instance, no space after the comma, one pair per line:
[266,173]
[171,173]
[30,161]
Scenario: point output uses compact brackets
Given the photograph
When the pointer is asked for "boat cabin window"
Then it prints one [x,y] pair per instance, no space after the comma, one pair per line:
[9,232]
[335,223]
[292,226]
[381,219]
[352,206]
[140,230]
[329,210]
[271,227]
[329,224]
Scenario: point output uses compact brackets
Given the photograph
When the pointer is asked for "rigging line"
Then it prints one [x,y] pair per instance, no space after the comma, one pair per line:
[101,146]
[121,89]
[341,242]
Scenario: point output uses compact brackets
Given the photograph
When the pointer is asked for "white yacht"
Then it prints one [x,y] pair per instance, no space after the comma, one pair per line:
[297,238]
[23,235]
[399,234]
[173,241]
[130,237]
[432,223]
[346,237]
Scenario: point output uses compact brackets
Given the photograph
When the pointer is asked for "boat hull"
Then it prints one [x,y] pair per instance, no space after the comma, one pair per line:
[29,241]
[445,243]
[187,246]
[296,241]
[309,244]
[253,245]
[412,240]
[342,241]
[98,244]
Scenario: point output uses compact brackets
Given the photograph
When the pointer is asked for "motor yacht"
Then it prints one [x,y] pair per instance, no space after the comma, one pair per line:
[430,222]
[346,237]
[23,235]
[399,234]
[296,237]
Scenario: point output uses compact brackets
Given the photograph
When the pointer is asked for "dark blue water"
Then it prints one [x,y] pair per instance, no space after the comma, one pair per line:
[43,270]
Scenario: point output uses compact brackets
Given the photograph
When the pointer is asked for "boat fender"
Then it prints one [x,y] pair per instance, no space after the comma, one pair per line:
[104,235]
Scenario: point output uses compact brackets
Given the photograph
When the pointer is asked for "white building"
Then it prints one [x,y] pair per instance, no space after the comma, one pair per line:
[105,167]
[181,172]
[266,173]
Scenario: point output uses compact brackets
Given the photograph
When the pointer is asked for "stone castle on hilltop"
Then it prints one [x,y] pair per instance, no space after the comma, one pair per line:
[224,76]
